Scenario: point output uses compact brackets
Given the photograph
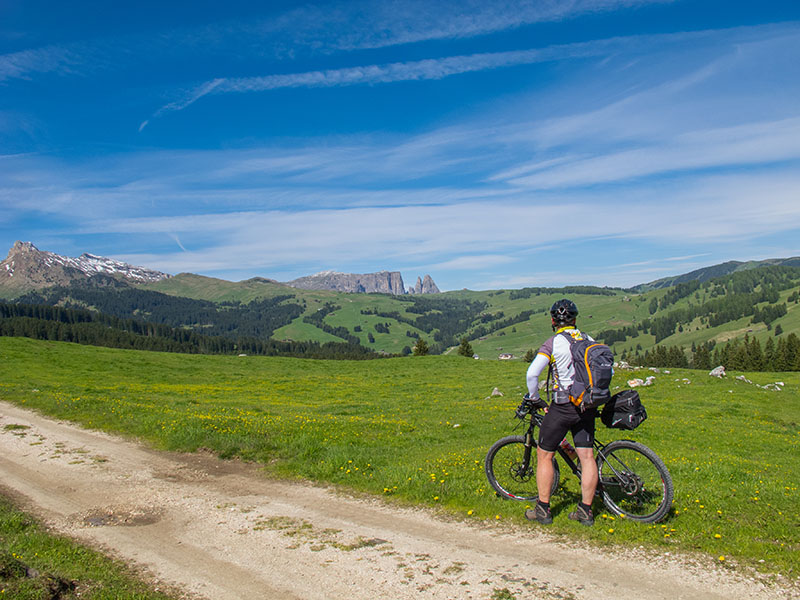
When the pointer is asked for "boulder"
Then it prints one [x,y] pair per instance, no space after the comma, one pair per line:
[718,372]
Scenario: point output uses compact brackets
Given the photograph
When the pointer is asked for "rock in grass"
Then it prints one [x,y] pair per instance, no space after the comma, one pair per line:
[718,372]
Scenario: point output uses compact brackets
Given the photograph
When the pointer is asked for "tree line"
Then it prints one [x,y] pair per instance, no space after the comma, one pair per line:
[747,354]
[723,300]
[259,318]
[446,318]
[527,292]
[96,329]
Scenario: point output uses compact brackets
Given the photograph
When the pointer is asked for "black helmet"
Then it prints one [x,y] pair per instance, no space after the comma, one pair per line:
[563,312]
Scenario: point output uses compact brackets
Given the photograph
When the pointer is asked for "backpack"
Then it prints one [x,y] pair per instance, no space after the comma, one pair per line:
[594,366]
[624,411]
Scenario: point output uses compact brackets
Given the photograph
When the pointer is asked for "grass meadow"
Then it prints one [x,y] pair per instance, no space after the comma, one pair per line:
[416,430]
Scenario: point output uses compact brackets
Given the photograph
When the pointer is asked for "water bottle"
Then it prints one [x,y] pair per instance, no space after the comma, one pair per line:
[567,447]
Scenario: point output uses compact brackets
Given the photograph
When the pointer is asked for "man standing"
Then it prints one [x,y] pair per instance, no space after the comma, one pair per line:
[562,416]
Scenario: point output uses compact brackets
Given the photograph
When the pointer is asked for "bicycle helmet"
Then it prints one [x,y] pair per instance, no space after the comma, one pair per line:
[563,312]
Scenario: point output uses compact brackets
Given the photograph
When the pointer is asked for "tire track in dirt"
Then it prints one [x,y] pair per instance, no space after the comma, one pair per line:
[222,530]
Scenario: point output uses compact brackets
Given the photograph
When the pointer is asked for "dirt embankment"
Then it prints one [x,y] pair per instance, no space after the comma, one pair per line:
[221,530]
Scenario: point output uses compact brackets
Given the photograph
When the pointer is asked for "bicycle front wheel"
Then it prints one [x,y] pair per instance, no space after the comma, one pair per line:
[634,481]
[511,473]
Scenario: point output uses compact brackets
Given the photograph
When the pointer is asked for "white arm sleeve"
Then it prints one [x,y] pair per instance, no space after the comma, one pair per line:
[534,370]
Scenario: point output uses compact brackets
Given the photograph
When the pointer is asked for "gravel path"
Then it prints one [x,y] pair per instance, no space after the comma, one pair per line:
[222,530]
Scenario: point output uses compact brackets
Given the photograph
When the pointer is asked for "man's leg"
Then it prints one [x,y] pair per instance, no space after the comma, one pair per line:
[544,482]
[588,474]
[545,474]
[583,512]
[551,433]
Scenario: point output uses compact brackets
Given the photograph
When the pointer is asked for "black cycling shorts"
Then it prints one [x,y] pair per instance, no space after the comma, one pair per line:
[561,418]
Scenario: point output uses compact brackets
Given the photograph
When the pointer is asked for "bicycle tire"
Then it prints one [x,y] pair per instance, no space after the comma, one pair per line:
[634,481]
[503,467]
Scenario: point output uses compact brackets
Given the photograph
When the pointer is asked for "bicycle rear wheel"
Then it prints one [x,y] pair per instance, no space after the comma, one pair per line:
[510,474]
[634,481]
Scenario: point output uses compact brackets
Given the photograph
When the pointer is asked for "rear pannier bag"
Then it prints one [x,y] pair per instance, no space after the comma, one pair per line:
[624,411]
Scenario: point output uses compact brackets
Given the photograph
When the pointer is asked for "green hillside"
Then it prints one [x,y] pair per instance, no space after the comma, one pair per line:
[199,287]
[714,271]
[601,311]
[761,304]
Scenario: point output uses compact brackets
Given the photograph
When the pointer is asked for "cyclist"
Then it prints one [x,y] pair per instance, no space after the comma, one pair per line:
[561,416]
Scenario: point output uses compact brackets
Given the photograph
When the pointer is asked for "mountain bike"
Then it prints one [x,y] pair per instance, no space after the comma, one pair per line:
[633,481]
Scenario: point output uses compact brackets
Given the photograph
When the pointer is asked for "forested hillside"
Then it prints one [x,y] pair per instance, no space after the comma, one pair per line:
[86,327]
[746,320]
[749,316]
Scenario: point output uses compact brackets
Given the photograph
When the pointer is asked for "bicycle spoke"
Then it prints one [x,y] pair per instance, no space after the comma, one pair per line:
[634,481]
[510,474]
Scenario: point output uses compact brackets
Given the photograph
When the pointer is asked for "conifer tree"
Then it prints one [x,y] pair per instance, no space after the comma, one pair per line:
[421,347]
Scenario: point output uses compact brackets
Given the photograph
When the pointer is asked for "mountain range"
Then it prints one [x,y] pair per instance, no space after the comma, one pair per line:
[382,282]
[716,305]
[28,268]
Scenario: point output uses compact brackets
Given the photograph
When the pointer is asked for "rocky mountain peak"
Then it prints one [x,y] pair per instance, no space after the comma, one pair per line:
[382,282]
[424,286]
[26,268]
[20,247]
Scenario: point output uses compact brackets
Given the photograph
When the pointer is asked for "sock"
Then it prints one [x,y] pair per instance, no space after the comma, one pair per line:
[544,504]
[585,507]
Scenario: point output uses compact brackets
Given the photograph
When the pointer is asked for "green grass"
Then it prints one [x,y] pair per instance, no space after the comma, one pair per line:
[417,429]
[37,565]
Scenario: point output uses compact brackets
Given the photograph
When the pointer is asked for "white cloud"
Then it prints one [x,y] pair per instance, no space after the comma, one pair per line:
[472,262]
[310,29]
[428,69]
[750,144]
[48,59]
[713,210]
[660,260]
[379,24]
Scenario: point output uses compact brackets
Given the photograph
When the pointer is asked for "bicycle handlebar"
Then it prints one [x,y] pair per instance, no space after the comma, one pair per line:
[524,408]
[529,405]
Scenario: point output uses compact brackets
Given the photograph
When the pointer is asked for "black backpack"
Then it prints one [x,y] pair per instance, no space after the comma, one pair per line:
[624,411]
[594,366]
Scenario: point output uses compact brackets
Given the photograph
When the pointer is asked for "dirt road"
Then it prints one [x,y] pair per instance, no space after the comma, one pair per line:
[221,530]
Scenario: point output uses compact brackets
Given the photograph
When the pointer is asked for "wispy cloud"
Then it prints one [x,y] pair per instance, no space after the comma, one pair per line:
[436,68]
[48,59]
[361,25]
[730,146]
[723,211]
[443,67]
[663,260]
[311,29]
[189,99]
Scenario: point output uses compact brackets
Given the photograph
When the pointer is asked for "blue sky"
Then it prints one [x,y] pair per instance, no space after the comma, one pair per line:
[490,144]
